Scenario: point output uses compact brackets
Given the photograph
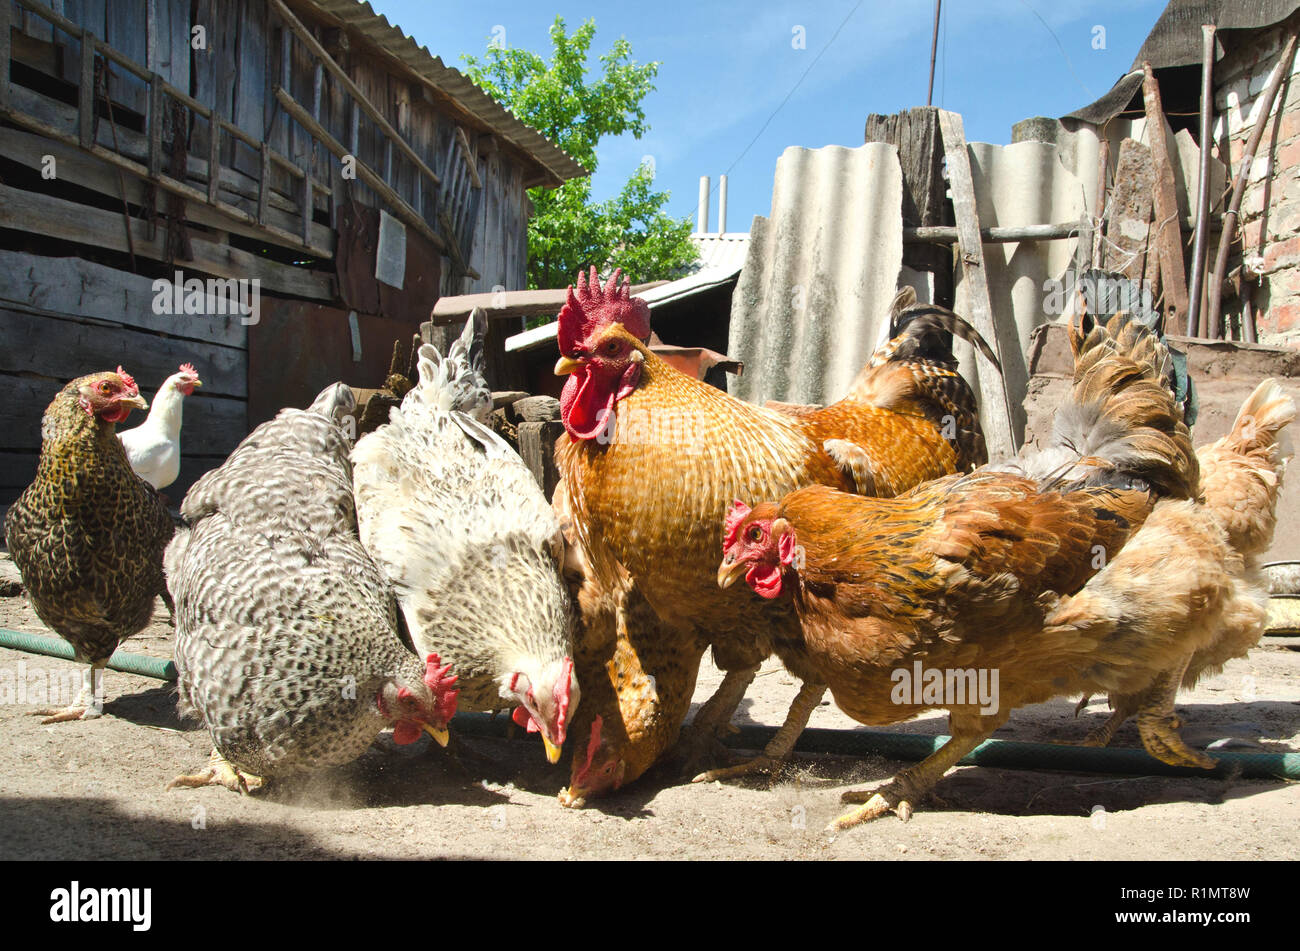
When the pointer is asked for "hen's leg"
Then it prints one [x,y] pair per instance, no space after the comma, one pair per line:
[913,783]
[89,703]
[1124,706]
[779,747]
[1158,723]
[220,772]
[700,742]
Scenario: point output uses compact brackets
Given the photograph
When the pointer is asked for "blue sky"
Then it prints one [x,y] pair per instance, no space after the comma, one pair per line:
[727,65]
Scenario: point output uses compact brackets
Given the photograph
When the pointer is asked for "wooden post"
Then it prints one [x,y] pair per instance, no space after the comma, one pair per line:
[264,184]
[214,160]
[1099,215]
[1168,236]
[6,51]
[1199,241]
[1129,213]
[995,400]
[86,91]
[915,133]
[156,100]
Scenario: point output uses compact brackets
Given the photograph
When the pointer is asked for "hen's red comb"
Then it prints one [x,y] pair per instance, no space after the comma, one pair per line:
[189,368]
[128,379]
[441,681]
[591,307]
[735,515]
[563,688]
[593,744]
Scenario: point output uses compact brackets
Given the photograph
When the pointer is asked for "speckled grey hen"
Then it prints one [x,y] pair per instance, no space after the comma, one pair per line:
[88,534]
[466,537]
[287,641]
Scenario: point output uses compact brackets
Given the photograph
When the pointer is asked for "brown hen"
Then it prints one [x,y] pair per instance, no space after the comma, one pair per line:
[88,534]
[1108,581]
[651,461]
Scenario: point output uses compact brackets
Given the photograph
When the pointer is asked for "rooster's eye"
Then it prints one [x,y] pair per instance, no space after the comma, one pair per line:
[611,347]
[755,533]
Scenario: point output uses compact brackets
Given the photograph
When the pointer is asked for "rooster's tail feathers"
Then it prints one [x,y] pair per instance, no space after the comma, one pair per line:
[456,382]
[920,331]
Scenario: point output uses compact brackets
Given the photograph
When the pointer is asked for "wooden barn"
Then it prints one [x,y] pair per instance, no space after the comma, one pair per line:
[273,191]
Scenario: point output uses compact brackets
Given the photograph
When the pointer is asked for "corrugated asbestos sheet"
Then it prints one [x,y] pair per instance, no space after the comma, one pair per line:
[452,83]
[725,252]
[820,274]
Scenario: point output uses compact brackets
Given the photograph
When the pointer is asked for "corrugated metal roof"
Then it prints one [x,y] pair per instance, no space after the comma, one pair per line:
[813,298]
[390,38]
[725,251]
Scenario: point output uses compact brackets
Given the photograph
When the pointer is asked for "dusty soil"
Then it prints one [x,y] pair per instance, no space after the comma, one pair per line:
[94,789]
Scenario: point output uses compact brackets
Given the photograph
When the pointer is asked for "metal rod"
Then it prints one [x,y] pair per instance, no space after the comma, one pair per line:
[1199,242]
[702,214]
[1214,315]
[934,48]
[722,203]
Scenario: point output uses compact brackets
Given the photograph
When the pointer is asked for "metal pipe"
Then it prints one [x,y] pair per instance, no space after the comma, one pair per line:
[702,215]
[934,47]
[128,662]
[1203,184]
[1214,315]
[722,203]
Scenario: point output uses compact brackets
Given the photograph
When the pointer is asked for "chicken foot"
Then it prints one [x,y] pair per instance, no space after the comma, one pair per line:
[1158,723]
[780,746]
[1124,706]
[220,772]
[912,784]
[88,705]
[700,742]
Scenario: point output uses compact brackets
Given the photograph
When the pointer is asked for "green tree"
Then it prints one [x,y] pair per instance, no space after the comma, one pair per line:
[569,231]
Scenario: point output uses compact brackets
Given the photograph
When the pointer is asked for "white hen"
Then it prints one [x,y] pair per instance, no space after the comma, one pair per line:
[467,539]
[154,447]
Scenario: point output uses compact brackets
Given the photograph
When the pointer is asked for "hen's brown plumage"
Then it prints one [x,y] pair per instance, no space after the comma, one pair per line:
[1081,578]
[650,501]
[88,534]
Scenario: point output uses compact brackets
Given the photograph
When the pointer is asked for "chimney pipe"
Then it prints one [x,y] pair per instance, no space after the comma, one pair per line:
[702,217]
[722,203]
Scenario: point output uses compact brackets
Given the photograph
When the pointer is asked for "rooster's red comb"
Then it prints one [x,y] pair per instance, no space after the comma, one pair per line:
[189,368]
[735,515]
[592,745]
[128,379]
[591,307]
[442,682]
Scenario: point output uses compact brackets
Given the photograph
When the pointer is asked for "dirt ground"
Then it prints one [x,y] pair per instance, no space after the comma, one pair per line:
[94,789]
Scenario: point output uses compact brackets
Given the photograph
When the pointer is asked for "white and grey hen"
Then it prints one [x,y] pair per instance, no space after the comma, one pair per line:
[467,539]
[287,640]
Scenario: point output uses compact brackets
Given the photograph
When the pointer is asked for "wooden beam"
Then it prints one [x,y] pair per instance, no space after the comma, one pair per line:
[1166,236]
[995,400]
[6,52]
[69,221]
[504,304]
[318,51]
[86,91]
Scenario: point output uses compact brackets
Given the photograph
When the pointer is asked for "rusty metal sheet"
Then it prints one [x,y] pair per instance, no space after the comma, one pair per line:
[358,242]
[298,348]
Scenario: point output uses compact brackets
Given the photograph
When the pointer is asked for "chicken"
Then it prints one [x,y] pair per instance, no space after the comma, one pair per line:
[154,447]
[1241,479]
[287,638]
[88,534]
[465,536]
[1104,574]
[650,461]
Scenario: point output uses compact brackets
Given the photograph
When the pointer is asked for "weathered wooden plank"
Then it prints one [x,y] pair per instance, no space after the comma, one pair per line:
[1167,237]
[995,401]
[67,348]
[84,289]
[70,221]
[211,426]
[250,81]
[86,94]
[128,33]
[1128,214]
[6,48]
[90,171]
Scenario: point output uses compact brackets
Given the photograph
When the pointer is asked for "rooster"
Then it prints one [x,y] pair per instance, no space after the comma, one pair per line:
[154,447]
[287,638]
[464,534]
[1091,568]
[88,534]
[650,461]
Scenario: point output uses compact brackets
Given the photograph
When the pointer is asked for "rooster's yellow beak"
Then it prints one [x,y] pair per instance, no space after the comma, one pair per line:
[440,736]
[566,365]
[729,571]
[552,751]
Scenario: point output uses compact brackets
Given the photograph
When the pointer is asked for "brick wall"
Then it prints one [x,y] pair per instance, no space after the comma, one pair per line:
[1269,237]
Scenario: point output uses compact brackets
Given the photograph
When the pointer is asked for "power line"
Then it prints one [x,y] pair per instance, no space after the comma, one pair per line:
[1062,48]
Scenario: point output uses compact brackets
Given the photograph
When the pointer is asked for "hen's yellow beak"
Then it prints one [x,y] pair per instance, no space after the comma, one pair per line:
[440,736]
[729,571]
[566,365]
[139,402]
[552,751]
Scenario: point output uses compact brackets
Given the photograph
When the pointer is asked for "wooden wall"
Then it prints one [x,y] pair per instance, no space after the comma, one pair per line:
[61,318]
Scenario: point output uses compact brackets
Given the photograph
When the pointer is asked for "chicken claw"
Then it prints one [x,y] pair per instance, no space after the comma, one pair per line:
[1159,734]
[877,803]
[67,714]
[220,772]
[760,765]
